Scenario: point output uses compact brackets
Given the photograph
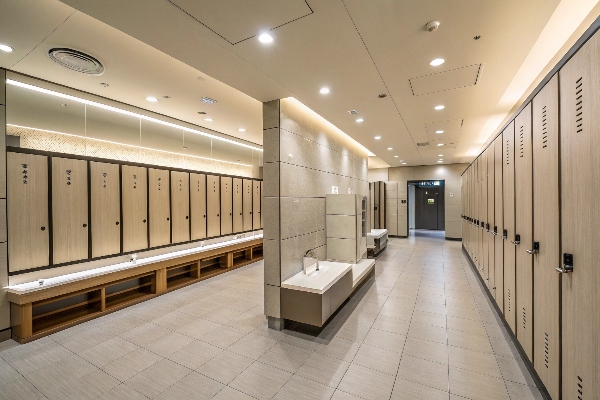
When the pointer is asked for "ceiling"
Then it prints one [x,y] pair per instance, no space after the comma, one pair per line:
[358,49]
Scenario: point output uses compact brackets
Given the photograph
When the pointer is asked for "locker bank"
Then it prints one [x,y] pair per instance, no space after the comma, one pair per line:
[301,199]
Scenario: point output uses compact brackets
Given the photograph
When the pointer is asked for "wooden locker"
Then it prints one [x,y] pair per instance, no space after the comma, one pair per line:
[247,206]
[27,209]
[159,206]
[524,228]
[261,204]
[256,205]
[484,220]
[546,231]
[198,206]
[377,205]
[69,210]
[508,189]
[371,205]
[382,205]
[180,207]
[105,208]
[213,206]
[134,198]
[580,221]
[238,212]
[226,205]
[491,220]
[498,224]
[479,217]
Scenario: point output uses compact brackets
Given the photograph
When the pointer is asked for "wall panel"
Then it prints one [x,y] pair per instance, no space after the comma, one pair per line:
[256,211]
[238,213]
[134,198]
[105,208]
[159,206]
[247,204]
[508,192]
[498,224]
[226,205]
[213,206]
[198,206]
[180,206]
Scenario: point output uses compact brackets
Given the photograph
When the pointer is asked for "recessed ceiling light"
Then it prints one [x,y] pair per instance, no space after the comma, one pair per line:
[359,120]
[265,38]
[440,155]
[208,119]
[438,132]
[324,90]
[377,137]
[440,144]
[241,130]
[389,148]
[437,61]
[395,156]
[6,48]
[403,163]
[440,161]
[208,100]
[440,107]
[152,99]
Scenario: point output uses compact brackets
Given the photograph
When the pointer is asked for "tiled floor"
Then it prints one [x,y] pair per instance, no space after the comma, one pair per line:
[422,330]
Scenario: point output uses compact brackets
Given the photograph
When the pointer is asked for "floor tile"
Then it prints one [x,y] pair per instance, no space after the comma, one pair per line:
[299,388]
[476,386]
[122,392]
[379,387]
[225,367]
[193,386]
[19,389]
[261,381]
[381,360]
[286,357]
[515,371]
[108,351]
[483,363]
[90,386]
[157,378]
[223,336]
[425,372]
[131,364]
[385,340]
[392,325]
[518,391]
[228,393]
[323,369]
[59,374]
[431,351]
[252,346]
[469,341]
[338,348]
[427,332]
[85,339]
[404,389]
[144,334]
[194,354]
[168,344]
[426,318]
[32,361]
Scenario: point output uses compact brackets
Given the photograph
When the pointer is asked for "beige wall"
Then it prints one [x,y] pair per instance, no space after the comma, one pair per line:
[450,173]
[304,156]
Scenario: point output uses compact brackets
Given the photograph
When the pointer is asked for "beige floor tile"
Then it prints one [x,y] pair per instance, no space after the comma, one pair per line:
[336,347]
[515,371]
[392,325]
[59,374]
[85,339]
[323,369]
[379,387]
[19,389]
[252,346]
[194,354]
[299,388]
[483,363]
[424,372]
[157,378]
[427,318]
[193,386]
[385,340]
[173,320]
[225,367]
[519,391]
[32,361]
[286,357]
[261,381]
[432,351]
[404,389]
[353,331]
[381,360]
[467,325]
[131,364]
[427,332]
[144,334]
[168,344]
[198,328]
[108,351]
[228,393]
[476,386]
[119,323]
[470,341]
[122,392]
[90,386]
[7,373]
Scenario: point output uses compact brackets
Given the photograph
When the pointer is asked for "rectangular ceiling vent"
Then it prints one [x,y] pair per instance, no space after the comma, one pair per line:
[353,112]
[423,144]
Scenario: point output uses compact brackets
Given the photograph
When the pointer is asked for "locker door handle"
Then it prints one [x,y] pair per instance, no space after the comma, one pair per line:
[43,228]
[517,240]
[117,223]
[217,215]
[504,234]
[204,216]
[536,248]
[187,217]
[144,221]
[168,219]
[85,225]
[229,213]
[567,264]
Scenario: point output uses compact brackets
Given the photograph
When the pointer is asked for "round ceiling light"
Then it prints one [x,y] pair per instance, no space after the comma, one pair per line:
[6,48]
[395,156]
[265,38]
[440,144]
[324,90]
[440,155]
[403,163]
[437,62]
[389,148]
[438,132]
[152,99]
[241,130]
[377,137]
[440,107]
[359,120]
[208,119]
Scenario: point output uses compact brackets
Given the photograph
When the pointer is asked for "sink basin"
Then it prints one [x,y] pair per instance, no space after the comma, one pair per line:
[322,268]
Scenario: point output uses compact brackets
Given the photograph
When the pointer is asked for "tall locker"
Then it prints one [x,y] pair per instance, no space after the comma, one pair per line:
[580,216]
[105,208]
[489,228]
[376,205]
[134,201]
[180,207]
[198,206]
[498,224]
[484,219]
[247,204]
[524,229]
[382,205]
[27,209]
[69,210]
[238,212]
[508,189]
[546,227]
[256,204]
[479,216]
[261,205]
[226,205]
[371,205]
[213,206]
[160,208]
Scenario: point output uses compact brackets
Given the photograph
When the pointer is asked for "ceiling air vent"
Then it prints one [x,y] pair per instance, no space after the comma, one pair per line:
[76,61]
[423,144]
[208,100]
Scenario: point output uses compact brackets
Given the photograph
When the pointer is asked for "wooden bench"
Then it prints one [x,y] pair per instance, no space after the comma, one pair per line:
[39,312]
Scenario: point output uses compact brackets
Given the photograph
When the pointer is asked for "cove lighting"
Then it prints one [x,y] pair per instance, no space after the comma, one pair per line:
[152,99]
[125,112]
[265,38]
[440,107]
[324,90]
[437,61]
[241,130]
[438,132]
[6,48]
[377,137]
[359,120]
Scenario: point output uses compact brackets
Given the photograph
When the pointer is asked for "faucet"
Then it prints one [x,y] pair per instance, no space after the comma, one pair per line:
[310,253]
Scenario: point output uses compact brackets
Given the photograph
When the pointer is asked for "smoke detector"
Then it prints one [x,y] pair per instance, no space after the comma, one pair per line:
[432,26]
[76,61]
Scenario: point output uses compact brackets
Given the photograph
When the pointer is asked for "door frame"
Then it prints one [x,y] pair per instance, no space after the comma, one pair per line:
[408,204]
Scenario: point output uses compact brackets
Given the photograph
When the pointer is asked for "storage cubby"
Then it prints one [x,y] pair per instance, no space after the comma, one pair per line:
[128,290]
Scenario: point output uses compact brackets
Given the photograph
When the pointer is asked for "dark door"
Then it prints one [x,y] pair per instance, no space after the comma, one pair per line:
[428,201]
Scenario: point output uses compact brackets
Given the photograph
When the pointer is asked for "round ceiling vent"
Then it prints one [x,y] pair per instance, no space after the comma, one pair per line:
[76,61]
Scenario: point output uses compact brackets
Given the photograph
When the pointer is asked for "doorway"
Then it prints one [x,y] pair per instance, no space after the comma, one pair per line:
[426,205]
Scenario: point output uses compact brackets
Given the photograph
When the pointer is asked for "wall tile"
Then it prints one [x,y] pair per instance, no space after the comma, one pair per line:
[301,215]
[2,87]
[293,250]
[4,304]
[271,250]
[271,114]
[271,218]
[2,220]
[271,145]
[272,301]
[271,179]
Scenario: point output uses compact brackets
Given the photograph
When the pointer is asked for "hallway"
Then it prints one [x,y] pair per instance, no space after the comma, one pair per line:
[423,330]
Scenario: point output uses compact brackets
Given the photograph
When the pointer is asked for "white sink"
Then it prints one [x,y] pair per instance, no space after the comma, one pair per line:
[322,269]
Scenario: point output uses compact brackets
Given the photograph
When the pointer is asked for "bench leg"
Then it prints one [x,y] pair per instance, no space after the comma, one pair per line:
[21,320]
[160,281]
[226,260]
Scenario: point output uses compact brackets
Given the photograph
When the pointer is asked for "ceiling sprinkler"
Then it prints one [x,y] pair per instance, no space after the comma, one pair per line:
[432,26]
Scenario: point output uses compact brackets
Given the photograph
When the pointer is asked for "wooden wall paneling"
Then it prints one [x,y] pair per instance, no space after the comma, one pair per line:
[498,223]
[198,206]
[159,206]
[134,202]
[371,205]
[382,205]
[226,205]
[546,231]
[491,220]
[261,205]
[508,188]
[105,193]
[580,221]
[69,210]
[247,204]
[180,207]
[524,228]
[484,219]
[376,205]
[256,205]
[238,211]
[27,209]
[213,206]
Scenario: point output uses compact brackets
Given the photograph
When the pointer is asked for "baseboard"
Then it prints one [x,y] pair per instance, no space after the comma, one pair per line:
[455,239]
[513,337]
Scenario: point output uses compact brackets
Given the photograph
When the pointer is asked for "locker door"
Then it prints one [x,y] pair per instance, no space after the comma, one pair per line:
[580,216]
[371,205]
[490,220]
[524,228]
[106,209]
[261,205]
[159,205]
[376,203]
[508,189]
[546,227]
[238,213]
[382,205]
[27,209]
[479,202]
[247,199]
[213,206]
[69,210]
[198,205]
[180,206]
[256,204]
[134,191]
[226,205]
[484,219]
[498,224]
